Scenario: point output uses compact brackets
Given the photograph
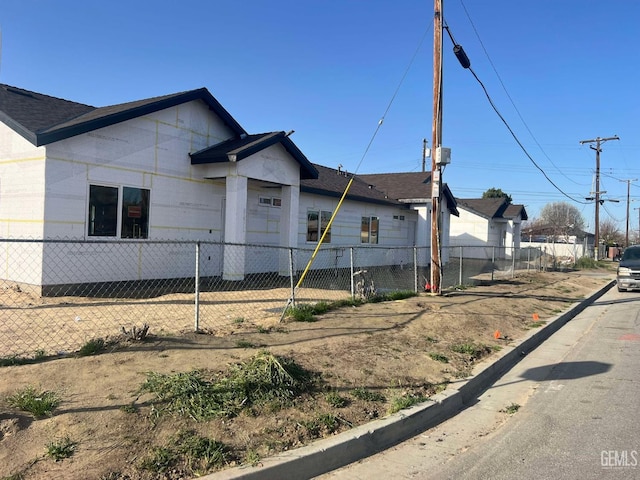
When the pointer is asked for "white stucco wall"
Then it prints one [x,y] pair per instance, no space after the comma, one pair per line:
[22,199]
[468,229]
[148,152]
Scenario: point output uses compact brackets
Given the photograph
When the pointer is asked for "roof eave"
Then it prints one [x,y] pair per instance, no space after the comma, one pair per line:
[54,135]
[356,198]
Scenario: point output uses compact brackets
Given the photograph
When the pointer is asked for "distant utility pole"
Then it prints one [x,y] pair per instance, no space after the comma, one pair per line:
[435,144]
[638,208]
[626,239]
[424,154]
[598,141]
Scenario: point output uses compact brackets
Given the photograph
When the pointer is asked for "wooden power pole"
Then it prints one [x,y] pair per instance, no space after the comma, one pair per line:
[436,143]
[626,236]
[597,148]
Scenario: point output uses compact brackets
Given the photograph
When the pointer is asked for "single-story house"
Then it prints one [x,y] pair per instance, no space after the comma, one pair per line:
[177,167]
[485,223]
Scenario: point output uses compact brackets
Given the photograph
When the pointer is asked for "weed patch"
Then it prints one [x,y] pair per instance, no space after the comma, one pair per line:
[336,400]
[438,357]
[38,404]
[92,347]
[403,401]
[61,449]
[472,350]
[367,395]
[511,409]
[261,381]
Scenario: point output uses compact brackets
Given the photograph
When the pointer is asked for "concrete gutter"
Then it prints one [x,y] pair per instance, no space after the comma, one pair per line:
[360,442]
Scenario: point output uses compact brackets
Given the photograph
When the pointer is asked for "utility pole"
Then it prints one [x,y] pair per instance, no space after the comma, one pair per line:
[598,141]
[424,154]
[435,144]
[626,240]
[638,208]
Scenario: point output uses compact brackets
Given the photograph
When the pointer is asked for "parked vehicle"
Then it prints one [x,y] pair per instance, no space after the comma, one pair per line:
[628,275]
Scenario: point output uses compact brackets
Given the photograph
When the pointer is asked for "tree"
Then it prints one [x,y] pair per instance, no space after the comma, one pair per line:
[562,219]
[497,193]
[610,234]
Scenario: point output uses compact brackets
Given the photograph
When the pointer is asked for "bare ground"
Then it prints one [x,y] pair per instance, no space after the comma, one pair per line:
[397,349]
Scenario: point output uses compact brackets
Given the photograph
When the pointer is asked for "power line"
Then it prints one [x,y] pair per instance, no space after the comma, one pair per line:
[509,96]
[464,61]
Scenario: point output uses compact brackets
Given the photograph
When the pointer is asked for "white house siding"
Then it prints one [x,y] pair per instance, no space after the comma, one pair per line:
[148,152]
[22,194]
[345,232]
[22,168]
[472,230]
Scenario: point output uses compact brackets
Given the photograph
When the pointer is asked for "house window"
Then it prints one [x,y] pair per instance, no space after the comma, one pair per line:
[369,230]
[313,232]
[270,201]
[135,213]
[103,212]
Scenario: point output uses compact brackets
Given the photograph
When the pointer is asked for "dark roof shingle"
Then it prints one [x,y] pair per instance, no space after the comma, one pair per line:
[43,119]
[492,207]
[236,149]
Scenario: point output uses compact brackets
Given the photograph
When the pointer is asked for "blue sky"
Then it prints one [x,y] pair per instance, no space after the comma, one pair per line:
[559,71]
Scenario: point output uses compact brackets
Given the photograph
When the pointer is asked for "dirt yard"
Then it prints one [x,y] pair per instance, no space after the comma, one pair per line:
[369,359]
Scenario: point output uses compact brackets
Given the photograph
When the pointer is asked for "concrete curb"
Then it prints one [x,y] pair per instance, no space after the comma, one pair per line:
[360,442]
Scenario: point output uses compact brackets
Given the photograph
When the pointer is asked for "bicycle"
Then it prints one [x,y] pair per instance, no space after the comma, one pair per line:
[364,288]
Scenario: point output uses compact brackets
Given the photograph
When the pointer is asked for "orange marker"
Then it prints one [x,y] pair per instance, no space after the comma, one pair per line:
[497,334]
[535,317]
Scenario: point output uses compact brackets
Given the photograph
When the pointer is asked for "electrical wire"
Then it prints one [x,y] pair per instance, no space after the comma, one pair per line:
[611,215]
[393,97]
[346,190]
[511,99]
[515,137]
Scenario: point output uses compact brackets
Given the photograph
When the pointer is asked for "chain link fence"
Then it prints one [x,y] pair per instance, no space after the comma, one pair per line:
[57,295]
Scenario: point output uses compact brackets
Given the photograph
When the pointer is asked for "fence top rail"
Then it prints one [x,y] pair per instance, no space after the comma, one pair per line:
[134,242]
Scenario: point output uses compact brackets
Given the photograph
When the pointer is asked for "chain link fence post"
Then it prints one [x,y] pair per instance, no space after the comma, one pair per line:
[196,304]
[415,268]
[292,280]
[460,272]
[353,292]
[493,261]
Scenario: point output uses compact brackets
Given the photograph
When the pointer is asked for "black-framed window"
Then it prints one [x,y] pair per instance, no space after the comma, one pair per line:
[135,213]
[103,218]
[103,211]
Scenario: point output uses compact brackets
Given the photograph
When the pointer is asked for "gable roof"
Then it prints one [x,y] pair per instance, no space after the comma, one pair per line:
[42,119]
[492,208]
[332,183]
[513,211]
[236,149]
[409,187]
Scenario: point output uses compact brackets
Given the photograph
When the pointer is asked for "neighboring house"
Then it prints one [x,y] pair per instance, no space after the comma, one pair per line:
[176,167]
[487,222]
[414,190]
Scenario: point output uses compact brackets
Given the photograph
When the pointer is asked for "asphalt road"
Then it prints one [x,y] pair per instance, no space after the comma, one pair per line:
[578,417]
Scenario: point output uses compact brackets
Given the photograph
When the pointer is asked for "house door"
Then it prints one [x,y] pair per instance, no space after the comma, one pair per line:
[412,233]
